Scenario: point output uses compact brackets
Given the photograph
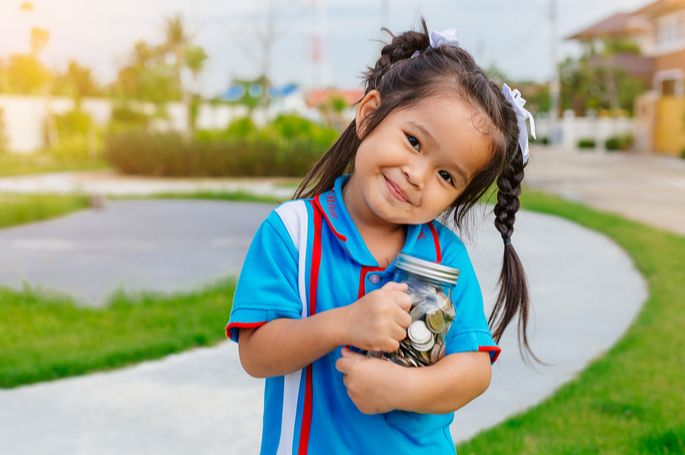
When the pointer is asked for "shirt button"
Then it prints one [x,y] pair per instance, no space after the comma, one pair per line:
[375,278]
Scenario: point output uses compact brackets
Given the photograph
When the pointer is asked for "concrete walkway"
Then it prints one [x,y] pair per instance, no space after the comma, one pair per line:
[645,188]
[109,183]
[136,245]
[584,291]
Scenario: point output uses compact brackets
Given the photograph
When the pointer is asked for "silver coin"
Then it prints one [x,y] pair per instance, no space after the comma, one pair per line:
[422,347]
[418,333]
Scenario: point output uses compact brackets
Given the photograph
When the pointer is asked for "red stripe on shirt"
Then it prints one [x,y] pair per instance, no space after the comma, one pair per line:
[313,282]
[242,325]
[494,349]
[317,204]
[438,253]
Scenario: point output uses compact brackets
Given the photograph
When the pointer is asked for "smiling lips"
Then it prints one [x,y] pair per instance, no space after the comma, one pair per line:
[396,191]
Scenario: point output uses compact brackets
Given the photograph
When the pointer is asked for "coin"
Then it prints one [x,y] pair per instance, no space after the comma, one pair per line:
[435,321]
[421,347]
[435,352]
[418,333]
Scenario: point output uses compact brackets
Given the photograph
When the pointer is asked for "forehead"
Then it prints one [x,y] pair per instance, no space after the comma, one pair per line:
[461,131]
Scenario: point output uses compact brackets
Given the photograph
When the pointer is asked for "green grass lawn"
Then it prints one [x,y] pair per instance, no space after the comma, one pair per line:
[239,196]
[26,208]
[629,401]
[36,163]
[632,400]
[46,337]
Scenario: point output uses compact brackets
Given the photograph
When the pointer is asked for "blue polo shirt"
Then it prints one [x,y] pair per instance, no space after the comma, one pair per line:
[308,257]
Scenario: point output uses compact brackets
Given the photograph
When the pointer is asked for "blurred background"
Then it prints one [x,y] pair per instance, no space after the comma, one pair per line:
[142,144]
[74,77]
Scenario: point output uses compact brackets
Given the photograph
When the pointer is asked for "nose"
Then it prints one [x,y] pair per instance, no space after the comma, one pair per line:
[416,172]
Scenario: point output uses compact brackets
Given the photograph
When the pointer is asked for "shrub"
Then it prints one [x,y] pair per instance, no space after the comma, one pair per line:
[73,123]
[78,148]
[286,147]
[587,143]
[241,127]
[544,140]
[621,142]
[125,118]
[682,153]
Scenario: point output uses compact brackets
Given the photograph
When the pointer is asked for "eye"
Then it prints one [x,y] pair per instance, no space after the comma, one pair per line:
[446,176]
[412,140]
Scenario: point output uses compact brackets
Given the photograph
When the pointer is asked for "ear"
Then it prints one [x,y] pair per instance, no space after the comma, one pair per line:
[366,106]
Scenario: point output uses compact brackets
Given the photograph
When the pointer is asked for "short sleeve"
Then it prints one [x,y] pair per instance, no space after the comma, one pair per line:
[267,284]
[469,330]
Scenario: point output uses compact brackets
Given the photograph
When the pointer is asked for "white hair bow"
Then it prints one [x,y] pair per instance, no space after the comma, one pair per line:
[517,102]
[447,37]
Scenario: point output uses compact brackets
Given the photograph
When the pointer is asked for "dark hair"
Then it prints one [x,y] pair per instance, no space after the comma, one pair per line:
[402,82]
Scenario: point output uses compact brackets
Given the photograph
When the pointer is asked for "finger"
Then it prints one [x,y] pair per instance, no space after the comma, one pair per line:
[351,355]
[403,319]
[342,365]
[392,345]
[345,380]
[395,286]
[403,300]
[398,333]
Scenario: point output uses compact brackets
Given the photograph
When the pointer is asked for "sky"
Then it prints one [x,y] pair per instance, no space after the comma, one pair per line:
[513,34]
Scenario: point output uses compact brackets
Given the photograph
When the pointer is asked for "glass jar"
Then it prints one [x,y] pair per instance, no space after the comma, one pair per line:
[432,311]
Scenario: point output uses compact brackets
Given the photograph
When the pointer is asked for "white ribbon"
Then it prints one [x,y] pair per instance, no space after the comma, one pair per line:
[447,37]
[517,102]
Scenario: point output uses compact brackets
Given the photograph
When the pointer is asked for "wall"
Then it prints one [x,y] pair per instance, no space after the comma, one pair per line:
[575,128]
[25,116]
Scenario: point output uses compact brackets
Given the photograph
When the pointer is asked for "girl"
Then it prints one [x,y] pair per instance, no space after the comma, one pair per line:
[430,136]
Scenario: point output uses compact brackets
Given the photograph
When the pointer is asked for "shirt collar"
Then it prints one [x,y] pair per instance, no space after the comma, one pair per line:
[332,204]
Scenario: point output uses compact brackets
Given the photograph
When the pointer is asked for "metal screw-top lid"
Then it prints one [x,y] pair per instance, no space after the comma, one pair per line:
[431,270]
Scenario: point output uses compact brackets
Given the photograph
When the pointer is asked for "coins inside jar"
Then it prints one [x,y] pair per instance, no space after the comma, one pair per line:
[432,310]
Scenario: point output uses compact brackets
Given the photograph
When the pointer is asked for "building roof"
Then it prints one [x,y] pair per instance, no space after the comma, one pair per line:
[316,97]
[661,7]
[617,25]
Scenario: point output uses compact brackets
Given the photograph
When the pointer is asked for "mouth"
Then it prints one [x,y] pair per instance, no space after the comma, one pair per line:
[395,191]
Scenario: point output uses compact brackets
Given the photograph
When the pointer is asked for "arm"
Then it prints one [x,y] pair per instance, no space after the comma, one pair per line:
[376,385]
[286,345]
[376,322]
[446,386]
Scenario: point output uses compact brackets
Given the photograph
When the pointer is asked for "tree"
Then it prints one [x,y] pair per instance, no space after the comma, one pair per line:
[77,82]
[154,72]
[594,81]
[195,59]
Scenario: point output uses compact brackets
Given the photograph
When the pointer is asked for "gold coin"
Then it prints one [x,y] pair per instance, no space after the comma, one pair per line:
[435,321]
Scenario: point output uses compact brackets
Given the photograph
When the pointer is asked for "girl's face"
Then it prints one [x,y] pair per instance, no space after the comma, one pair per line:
[418,160]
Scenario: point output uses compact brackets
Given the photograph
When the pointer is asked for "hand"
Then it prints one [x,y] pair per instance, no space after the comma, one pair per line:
[372,384]
[379,320]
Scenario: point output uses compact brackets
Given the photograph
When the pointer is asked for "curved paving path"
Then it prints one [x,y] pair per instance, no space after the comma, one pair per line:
[584,290]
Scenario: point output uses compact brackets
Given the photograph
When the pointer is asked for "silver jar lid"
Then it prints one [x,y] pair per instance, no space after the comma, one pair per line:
[428,269]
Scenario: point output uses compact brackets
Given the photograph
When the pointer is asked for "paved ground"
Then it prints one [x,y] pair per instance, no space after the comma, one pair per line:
[136,245]
[646,188]
[584,291]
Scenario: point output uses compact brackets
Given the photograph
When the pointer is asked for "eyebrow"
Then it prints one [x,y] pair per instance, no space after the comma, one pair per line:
[430,137]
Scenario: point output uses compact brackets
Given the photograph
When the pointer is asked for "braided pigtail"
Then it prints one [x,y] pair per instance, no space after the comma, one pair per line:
[513,295]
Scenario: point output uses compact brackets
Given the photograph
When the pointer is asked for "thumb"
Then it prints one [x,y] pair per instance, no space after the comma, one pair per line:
[395,286]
